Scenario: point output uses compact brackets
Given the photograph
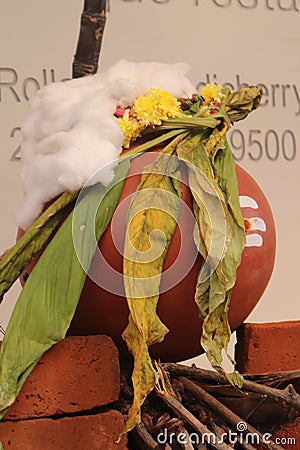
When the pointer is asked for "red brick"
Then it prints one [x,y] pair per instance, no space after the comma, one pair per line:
[77,374]
[268,347]
[93,432]
[289,436]
[271,347]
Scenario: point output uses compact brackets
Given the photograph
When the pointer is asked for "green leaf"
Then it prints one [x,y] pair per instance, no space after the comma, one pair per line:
[192,106]
[152,221]
[32,241]
[220,237]
[185,123]
[48,301]
[153,142]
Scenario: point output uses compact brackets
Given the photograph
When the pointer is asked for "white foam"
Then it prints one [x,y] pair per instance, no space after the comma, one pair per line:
[71,133]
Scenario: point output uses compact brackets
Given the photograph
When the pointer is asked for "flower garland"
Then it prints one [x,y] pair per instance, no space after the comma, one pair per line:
[157,105]
[148,110]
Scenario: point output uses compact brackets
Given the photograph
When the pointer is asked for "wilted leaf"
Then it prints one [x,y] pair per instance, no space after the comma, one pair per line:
[151,223]
[221,237]
[240,103]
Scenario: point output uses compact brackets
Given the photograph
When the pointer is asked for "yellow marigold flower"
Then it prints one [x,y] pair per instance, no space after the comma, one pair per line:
[155,106]
[148,109]
[131,130]
[211,93]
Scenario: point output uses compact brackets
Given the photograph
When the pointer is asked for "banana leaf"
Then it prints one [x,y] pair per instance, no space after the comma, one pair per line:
[48,301]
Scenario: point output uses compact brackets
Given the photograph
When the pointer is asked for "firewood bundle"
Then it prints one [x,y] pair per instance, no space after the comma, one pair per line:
[197,409]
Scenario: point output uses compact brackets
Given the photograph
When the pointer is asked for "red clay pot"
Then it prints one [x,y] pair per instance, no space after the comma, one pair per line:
[103,310]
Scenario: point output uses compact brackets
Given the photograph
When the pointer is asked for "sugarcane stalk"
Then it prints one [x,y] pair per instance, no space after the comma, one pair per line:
[92,25]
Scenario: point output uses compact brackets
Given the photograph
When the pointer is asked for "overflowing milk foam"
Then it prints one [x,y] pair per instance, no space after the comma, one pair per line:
[70,132]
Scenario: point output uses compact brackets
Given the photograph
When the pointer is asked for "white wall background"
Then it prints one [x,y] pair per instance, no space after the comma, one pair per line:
[240,41]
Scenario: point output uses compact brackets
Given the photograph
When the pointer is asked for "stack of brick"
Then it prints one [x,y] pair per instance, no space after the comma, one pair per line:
[67,400]
[271,347]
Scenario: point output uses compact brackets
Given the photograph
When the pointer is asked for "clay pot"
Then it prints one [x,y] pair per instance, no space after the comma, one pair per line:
[102,308]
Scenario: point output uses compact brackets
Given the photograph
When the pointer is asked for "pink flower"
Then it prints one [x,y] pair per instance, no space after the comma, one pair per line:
[119,112]
[215,110]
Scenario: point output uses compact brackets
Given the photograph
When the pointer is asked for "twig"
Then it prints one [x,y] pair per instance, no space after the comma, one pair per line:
[93,20]
[146,439]
[194,372]
[166,392]
[201,446]
[185,443]
[191,420]
[224,427]
[223,412]
[206,416]
[212,375]
[275,379]
[284,395]
[200,410]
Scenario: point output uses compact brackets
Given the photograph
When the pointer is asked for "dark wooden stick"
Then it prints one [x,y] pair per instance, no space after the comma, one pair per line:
[92,25]
[212,375]
[200,411]
[194,372]
[165,391]
[191,420]
[287,395]
[290,398]
[275,379]
[147,441]
[223,412]
[188,445]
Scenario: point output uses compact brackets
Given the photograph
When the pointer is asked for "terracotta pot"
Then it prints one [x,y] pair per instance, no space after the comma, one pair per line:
[103,311]
[102,308]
